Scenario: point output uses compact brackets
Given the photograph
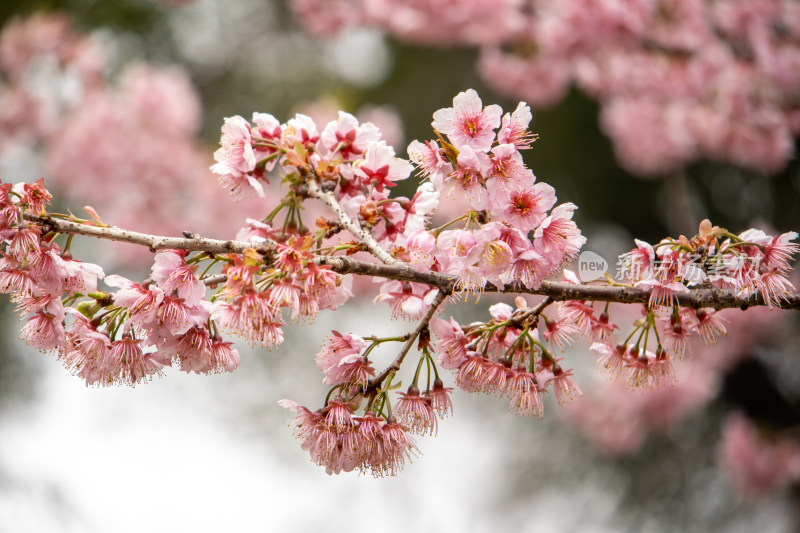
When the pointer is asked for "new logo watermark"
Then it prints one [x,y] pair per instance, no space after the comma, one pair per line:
[591,266]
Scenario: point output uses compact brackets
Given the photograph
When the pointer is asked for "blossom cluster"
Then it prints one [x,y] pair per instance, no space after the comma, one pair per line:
[505,356]
[125,336]
[251,301]
[380,441]
[512,238]
[131,332]
[677,80]
[342,442]
[509,234]
[752,262]
[758,460]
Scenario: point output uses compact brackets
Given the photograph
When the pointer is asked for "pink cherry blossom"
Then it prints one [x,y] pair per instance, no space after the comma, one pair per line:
[612,358]
[474,374]
[252,315]
[380,168]
[408,300]
[530,268]
[525,398]
[172,273]
[440,399]
[142,302]
[429,159]
[520,205]
[638,264]
[452,342]
[758,466]
[416,412]
[301,129]
[44,331]
[420,208]
[514,128]
[16,280]
[265,134]
[559,234]
[468,177]
[559,333]
[131,362]
[468,123]
[337,357]
[564,386]
[222,357]
[81,277]
[508,167]
[347,138]
[235,156]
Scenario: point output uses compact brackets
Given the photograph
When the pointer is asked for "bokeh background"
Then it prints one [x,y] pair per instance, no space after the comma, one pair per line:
[205,453]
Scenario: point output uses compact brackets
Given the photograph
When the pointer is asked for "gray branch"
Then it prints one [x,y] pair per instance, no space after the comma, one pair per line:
[353,227]
[558,291]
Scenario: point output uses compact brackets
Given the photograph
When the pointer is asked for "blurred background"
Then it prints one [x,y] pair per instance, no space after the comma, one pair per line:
[119,105]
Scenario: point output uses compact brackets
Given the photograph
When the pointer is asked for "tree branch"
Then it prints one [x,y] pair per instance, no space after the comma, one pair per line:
[412,337]
[559,291]
[153,242]
[365,236]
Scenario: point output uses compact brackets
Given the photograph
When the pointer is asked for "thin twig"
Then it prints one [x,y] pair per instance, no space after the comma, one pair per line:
[535,311]
[360,233]
[216,279]
[412,337]
[153,242]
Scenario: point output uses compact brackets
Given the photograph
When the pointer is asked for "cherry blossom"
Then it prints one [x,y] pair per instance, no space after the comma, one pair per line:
[468,123]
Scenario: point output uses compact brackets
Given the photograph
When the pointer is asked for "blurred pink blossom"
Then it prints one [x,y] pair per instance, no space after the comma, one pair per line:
[676,80]
[757,464]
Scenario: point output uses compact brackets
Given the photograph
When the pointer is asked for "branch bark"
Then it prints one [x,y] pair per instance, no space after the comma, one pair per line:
[153,242]
[412,338]
[353,227]
[558,291]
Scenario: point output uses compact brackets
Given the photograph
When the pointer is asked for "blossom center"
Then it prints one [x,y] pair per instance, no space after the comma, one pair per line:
[523,203]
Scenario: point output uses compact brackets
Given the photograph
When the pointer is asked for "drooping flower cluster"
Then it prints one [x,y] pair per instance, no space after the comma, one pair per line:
[752,264]
[124,337]
[505,357]
[105,338]
[618,420]
[379,441]
[342,442]
[343,363]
